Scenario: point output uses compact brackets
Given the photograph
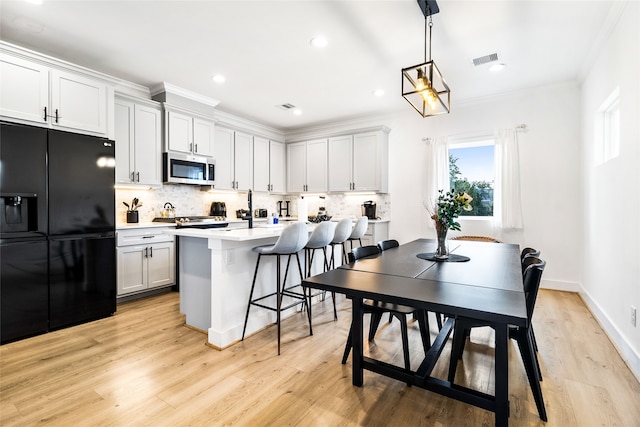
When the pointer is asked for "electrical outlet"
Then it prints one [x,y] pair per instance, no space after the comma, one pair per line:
[633,315]
[230,256]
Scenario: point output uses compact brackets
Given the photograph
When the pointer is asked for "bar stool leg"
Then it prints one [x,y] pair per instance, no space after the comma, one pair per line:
[333,294]
[253,285]
[278,297]
[304,292]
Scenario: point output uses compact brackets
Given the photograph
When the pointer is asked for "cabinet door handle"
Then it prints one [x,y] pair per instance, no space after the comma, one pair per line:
[151,252]
[45,114]
[148,237]
[196,150]
[146,252]
[138,176]
[133,176]
[56,115]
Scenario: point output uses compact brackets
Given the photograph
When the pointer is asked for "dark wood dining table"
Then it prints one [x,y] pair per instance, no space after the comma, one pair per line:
[487,287]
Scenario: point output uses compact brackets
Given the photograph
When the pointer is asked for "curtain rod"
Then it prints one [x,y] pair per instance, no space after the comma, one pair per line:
[521,127]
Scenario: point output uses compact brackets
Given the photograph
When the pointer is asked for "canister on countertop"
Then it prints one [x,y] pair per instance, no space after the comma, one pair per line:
[303,210]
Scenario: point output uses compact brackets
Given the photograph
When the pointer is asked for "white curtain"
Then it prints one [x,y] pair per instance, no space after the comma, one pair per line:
[507,211]
[437,171]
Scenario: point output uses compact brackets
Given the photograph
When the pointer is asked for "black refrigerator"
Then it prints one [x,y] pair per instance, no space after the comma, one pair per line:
[78,238]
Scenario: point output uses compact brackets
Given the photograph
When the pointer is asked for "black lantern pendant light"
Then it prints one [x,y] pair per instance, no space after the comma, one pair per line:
[423,85]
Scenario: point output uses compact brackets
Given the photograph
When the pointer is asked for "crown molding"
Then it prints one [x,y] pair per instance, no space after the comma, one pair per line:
[184,93]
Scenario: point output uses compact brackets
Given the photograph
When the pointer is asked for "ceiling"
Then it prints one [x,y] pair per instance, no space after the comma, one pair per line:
[263,48]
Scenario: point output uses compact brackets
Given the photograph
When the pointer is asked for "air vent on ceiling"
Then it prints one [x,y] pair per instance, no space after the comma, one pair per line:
[286,106]
[485,59]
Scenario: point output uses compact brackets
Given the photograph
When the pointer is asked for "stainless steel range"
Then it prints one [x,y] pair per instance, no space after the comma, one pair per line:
[196,221]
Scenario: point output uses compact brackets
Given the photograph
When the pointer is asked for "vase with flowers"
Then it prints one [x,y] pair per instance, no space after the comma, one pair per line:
[447,208]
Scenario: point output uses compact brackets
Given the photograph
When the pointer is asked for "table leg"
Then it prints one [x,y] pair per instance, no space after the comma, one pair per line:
[357,312]
[502,375]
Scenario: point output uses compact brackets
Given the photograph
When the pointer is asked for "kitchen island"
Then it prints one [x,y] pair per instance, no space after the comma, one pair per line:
[215,270]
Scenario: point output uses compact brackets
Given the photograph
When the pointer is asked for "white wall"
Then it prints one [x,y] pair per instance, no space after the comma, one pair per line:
[550,171]
[550,174]
[611,273]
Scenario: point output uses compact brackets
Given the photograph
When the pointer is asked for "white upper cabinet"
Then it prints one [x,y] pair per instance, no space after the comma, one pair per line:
[268,165]
[243,161]
[307,166]
[224,156]
[296,167]
[276,167]
[261,180]
[203,137]
[341,163]
[41,95]
[359,162]
[78,102]
[24,89]
[138,136]
[189,134]
[233,153]
[368,152]
[179,131]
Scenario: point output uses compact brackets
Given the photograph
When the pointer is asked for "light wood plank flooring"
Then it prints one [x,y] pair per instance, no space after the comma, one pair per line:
[143,367]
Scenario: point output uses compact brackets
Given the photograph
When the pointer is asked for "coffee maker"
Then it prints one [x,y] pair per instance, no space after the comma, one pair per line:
[369,209]
[218,209]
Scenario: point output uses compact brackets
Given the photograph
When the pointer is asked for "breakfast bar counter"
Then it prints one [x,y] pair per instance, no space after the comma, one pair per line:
[215,269]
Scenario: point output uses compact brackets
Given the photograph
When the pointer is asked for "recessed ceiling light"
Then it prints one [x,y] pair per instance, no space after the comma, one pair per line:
[297,112]
[378,92]
[497,67]
[218,78]
[319,41]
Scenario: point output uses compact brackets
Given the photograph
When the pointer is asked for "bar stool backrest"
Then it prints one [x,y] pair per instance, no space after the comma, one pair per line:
[360,228]
[322,235]
[343,231]
[293,239]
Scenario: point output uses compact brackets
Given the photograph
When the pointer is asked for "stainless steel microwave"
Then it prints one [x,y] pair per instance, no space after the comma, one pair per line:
[178,168]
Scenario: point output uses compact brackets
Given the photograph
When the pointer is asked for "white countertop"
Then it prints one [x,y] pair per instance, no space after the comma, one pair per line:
[235,234]
[127,226]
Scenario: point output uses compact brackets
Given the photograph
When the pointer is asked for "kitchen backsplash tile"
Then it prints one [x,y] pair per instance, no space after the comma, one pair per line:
[189,200]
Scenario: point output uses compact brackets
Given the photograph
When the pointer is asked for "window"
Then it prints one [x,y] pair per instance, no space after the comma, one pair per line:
[472,170]
[607,129]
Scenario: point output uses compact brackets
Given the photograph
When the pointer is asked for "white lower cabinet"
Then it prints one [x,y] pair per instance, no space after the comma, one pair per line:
[146,260]
[376,231]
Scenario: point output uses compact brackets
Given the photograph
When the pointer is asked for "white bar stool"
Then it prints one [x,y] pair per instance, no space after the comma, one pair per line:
[359,230]
[292,240]
[320,238]
[342,233]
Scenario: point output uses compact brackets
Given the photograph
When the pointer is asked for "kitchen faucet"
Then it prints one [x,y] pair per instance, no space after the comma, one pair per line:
[250,200]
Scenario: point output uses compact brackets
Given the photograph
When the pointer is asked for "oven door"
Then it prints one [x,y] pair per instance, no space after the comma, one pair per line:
[186,169]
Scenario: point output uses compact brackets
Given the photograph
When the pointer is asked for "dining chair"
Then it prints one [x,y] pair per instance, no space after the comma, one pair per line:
[378,308]
[522,335]
[527,257]
[529,251]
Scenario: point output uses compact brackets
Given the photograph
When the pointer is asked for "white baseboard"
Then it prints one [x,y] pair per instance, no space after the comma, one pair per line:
[631,358]
[558,285]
